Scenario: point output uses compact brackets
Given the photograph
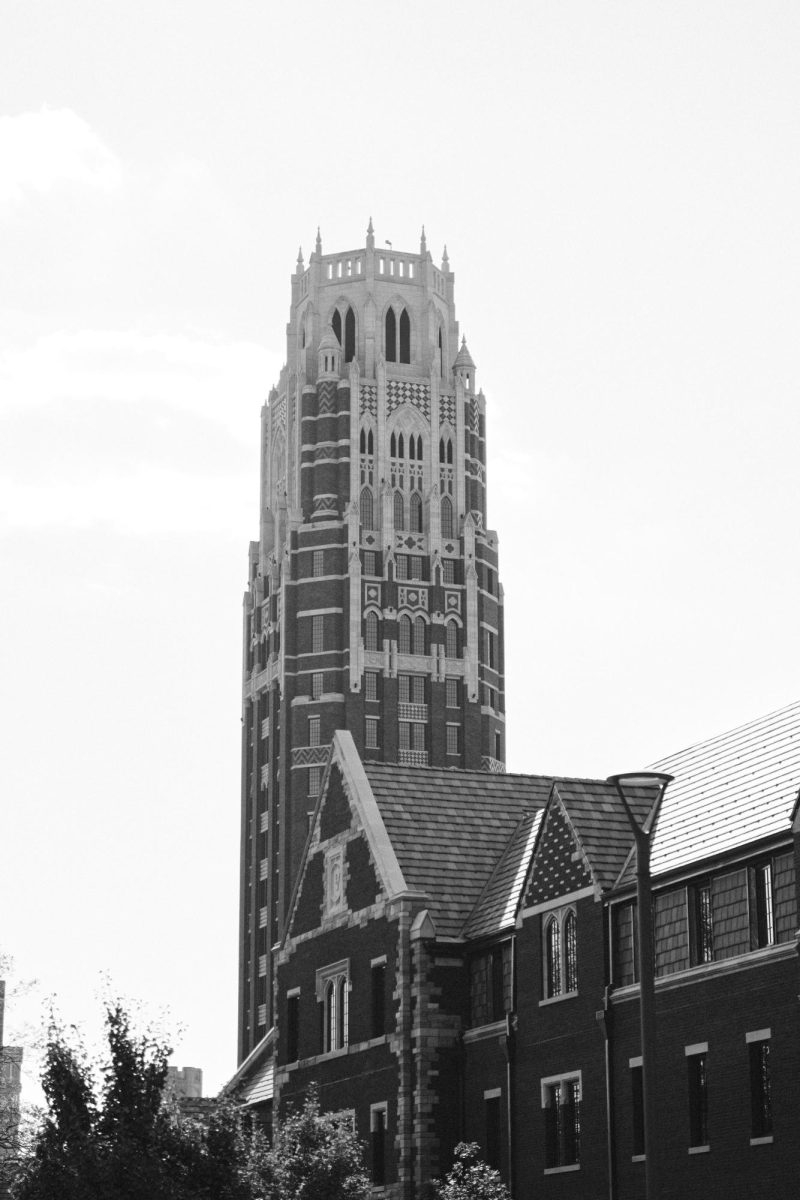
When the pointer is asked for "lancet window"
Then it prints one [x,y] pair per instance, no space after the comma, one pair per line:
[366,456]
[446,476]
[345,332]
[406,469]
[398,336]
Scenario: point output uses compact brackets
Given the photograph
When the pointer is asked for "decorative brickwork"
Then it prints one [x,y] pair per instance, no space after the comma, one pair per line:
[559,865]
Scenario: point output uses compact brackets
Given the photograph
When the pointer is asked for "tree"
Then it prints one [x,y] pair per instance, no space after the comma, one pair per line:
[470,1178]
[315,1156]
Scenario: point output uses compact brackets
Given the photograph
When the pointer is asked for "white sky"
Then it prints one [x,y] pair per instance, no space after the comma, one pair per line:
[618,186]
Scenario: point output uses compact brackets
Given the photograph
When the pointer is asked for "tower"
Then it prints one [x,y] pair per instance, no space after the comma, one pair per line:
[373,602]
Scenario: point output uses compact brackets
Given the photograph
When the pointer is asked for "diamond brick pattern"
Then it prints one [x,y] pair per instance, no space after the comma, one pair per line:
[369,399]
[447,411]
[401,391]
[556,873]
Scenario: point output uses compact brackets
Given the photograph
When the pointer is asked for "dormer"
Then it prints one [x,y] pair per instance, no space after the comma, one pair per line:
[328,355]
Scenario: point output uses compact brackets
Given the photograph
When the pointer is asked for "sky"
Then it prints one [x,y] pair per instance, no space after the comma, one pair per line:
[617,185]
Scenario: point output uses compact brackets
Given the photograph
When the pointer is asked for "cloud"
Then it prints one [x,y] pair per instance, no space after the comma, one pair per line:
[40,151]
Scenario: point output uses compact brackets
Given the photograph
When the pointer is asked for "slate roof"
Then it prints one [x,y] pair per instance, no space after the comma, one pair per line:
[733,789]
[450,830]
[598,818]
[496,907]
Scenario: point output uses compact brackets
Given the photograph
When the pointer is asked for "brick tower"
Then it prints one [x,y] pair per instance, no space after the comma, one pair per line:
[373,601]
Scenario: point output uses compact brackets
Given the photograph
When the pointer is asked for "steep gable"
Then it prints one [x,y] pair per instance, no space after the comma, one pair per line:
[559,866]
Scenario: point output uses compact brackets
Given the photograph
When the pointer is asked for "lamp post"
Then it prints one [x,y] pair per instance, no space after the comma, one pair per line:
[642,835]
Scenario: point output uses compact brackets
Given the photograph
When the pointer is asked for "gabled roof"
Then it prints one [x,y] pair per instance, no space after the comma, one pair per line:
[450,829]
[601,827]
[737,788]
[496,907]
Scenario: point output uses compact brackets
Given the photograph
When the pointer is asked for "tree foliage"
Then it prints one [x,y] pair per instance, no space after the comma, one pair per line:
[470,1178]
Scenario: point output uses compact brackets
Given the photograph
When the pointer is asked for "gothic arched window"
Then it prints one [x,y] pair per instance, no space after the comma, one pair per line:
[449,452]
[405,337]
[362,442]
[341,1014]
[366,508]
[330,1017]
[349,336]
[370,443]
[415,512]
[419,636]
[393,446]
[399,511]
[404,635]
[441,352]
[552,940]
[451,639]
[336,325]
[570,952]
[371,631]
[447,517]
[391,336]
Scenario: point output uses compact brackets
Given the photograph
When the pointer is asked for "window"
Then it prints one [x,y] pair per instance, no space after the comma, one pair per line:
[401,567]
[317,680]
[369,562]
[415,564]
[490,985]
[560,939]
[412,735]
[451,692]
[318,563]
[391,336]
[313,731]
[378,1010]
[405,337]
[561,1101]
[626,965]
[491,1103]
[404,635]
[451,639]
[637,1108]
[447,517]
[317,640]
[448,570]
[399,510]
[760,1085]
[292,1026]
[697,1079]
[371,685]
[491,642]
[314,780]
[367,513]
[415,512]
[390,326]
[701,928]
[762,907]
[371,733]
[332,987]
[452,739]
[371,631]
[349,334]
[498,746]
[419,636]
[417,689]
[377,1125]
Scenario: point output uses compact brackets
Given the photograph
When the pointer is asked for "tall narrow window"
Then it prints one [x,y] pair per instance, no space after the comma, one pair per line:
[762,906]
[441,353]
[452,739]
[493,1135]
[292,1026]
[336,323]
[637,1108]
[404,635]
[317,630]
[447,517]
[451,692]
[377,1119]
[391,336]
[369,562]
[697,1078]
[760,1085]
[405,337]
[561,1100]
[313,731]
[571,952]
[371,631]
[349,336]
[701,924]
[415,566]
[317,684]
[419,636]
[415,513]
[552,939]
[401,566]
[314,781]
[448,570]
[371,733]
[366,508]
[318,565]
[451,639]
[399,511]
[370,685]
[341,1012]
[378,1013]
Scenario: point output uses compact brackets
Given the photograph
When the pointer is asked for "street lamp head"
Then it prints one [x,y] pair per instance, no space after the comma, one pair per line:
[641,779]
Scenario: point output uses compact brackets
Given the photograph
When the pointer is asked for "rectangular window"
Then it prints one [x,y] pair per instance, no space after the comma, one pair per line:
[416,566]
[378,999]
[451,692]
[493,1130]
[418,689]
[319,562]
[313,731]
[405,735]
[701,925]
[404,689]
[314,780]
[317,680]
[498,746]
[637,1108]
[418,736]
[762,910]
[401,567]
[317,639]
[561,1100]
[760,1085]
[371,685]
[377,1122]
[292,1026]
[369,562]
[697,1079]
[452,739]
[448,570]
[371,733]
[490,649]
